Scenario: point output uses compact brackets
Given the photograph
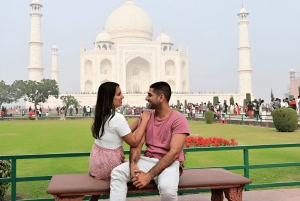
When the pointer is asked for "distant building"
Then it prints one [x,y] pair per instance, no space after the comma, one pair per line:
[294,83]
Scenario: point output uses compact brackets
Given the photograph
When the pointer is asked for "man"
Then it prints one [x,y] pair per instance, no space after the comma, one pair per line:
[298,104]
[76,110]
[272,105]
[220,107]
[250,109]
[256,109]
[84,111]
[57,110]
[63,113]
[204,108]
[165,136]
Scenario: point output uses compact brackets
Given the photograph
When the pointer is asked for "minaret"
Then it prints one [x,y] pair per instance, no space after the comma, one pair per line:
[245,81]
[35,61]
[54,70]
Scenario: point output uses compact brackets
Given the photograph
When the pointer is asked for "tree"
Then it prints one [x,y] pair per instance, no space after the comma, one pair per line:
[216,100]
[6,93]
[37,92]
[231,101]
[248,97]
[291,97]
[272,95]
[299,90]
[185,105]
[69,101]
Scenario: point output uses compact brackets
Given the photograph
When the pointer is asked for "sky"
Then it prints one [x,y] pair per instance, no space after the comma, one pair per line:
[208,27]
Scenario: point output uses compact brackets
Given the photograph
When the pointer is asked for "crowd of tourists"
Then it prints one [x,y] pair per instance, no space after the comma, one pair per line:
[257,109]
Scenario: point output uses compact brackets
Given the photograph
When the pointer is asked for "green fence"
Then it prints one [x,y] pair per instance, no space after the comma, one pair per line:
[246,166]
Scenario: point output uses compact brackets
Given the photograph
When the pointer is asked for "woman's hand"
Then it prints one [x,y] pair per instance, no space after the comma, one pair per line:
[145,116]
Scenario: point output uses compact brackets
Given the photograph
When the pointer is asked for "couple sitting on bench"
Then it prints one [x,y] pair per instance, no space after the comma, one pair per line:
[163,129]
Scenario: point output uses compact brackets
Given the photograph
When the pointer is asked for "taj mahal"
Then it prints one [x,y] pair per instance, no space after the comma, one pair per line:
[126,52]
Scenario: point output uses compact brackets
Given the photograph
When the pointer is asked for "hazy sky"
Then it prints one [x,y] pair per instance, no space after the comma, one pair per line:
[208,27]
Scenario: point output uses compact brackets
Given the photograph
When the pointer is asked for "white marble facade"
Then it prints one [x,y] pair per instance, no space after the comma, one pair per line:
[125,53]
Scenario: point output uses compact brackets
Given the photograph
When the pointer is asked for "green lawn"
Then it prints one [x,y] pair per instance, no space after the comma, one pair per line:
[54,136]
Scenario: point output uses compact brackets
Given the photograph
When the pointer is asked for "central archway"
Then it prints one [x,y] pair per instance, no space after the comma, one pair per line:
[138,75]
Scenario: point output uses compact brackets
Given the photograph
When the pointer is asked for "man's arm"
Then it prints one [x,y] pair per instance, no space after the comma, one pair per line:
[176,145]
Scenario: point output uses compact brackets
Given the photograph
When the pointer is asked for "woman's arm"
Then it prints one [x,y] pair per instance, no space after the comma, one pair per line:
[134,125]
[134,140]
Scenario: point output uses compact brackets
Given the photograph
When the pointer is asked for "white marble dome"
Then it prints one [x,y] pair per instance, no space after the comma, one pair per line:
[54,47]
[292,70]
[164,38]
[130,23]
[35,2]
[243,10]
[103,37]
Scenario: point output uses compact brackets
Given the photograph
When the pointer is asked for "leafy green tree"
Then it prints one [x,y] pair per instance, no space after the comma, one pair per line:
[299,90]
[248,97]
[272,95]
[215,100]
[37,92]
[185,105]
[231,101]
[291,97]
[69,101]
[6,94]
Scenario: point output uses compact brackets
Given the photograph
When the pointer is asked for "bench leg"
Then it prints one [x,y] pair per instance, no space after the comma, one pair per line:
[234,194]
[217,195]
[70,198]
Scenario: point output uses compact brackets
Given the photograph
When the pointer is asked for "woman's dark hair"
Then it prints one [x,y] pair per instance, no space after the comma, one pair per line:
[104,107]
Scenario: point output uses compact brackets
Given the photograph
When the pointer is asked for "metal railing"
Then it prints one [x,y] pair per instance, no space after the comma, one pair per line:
[236,117]
[245,167]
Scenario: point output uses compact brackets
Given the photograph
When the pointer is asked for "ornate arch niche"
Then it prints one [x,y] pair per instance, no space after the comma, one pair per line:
[170,67]
[105,81]
[88,68]
[88,86]
[105,67]
[184,87]
[172,85]
[184,69]
[138,75]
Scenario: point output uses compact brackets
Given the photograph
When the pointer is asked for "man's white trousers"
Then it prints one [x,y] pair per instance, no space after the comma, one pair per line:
[167,181]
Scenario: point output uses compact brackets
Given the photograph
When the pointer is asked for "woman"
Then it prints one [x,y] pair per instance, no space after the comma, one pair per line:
[237,109]
[262,110]
[109,130]
[231,109]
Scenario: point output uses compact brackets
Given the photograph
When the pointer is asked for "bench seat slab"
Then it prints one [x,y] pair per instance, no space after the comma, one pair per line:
[73,187]
[68,198]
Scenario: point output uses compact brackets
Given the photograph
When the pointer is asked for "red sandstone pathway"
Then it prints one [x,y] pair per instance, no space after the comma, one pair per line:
[259,195]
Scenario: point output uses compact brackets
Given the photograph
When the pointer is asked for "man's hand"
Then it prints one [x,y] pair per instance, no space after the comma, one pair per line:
[142,179]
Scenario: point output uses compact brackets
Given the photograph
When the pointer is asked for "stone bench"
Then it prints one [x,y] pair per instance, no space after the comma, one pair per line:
[221,182]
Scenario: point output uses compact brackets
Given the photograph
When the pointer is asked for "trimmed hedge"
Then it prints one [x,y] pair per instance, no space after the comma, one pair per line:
[5,171]
[285,119]
[209,116]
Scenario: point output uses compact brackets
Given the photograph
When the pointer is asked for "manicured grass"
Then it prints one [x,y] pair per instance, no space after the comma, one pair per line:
[54,136]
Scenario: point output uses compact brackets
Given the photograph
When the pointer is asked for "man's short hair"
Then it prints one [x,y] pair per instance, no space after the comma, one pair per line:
[162,88]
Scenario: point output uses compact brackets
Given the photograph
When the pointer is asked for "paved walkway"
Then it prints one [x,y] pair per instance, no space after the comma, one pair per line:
[258,195]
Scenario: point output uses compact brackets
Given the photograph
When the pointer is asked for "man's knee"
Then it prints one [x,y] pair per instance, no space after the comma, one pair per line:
[168,191]
[120,172]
